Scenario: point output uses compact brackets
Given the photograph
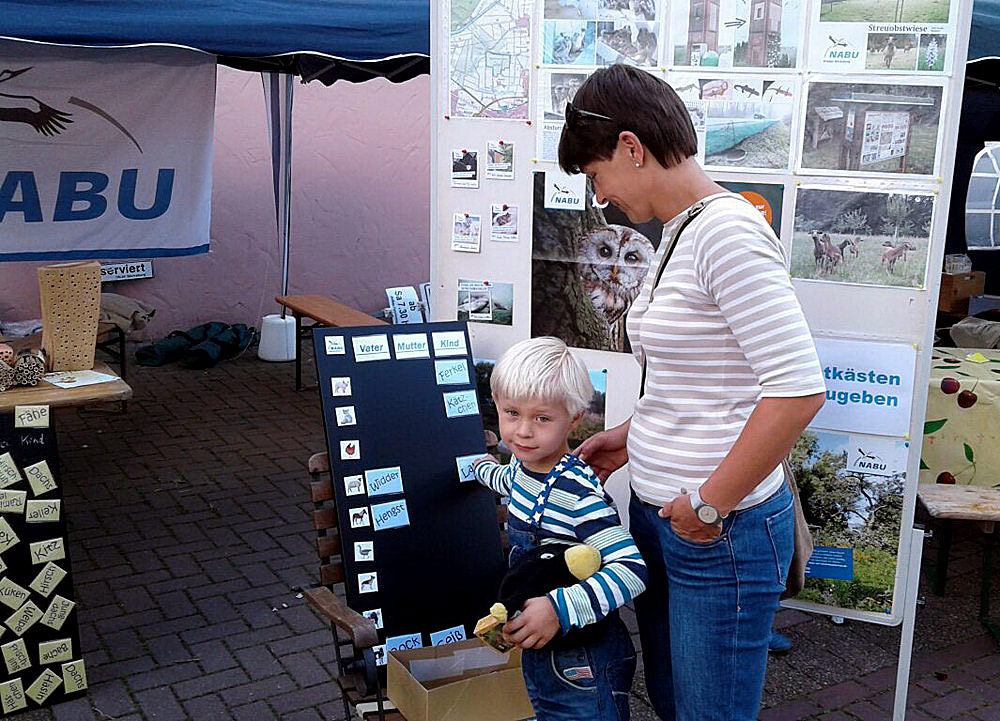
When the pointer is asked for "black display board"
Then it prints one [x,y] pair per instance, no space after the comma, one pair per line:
[34,549]
[387,393]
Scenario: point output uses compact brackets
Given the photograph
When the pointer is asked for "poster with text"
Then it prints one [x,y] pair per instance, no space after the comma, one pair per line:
[555,89]
[736,33]
[587,268]
[765,197]
[869,386]
[870,238]
[852,496]
[485,301]
[742,122]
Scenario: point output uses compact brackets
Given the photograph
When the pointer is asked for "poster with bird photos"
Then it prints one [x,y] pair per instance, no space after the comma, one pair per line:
[587,267]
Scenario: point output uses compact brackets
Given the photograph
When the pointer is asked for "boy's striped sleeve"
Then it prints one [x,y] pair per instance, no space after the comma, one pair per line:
[622,575]
[496,477]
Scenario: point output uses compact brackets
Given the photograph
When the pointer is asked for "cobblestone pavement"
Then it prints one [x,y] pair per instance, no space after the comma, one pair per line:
[189,537]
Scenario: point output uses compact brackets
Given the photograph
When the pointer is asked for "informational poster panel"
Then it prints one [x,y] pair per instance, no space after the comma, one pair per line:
[39,635]
[837,120]
[421,544]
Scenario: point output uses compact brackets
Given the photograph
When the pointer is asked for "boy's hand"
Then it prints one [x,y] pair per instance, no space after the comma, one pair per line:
[483,459]
[534,626]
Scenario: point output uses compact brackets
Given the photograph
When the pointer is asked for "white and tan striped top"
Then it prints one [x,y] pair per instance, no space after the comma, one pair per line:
[724,329]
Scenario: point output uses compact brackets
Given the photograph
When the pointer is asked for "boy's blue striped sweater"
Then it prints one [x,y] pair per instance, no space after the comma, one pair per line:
[578,510]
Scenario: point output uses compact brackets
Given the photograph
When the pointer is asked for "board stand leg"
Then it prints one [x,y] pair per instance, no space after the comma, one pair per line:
[909,620]
[989,545]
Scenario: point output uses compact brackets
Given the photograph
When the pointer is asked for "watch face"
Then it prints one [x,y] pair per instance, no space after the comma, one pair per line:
[707,514]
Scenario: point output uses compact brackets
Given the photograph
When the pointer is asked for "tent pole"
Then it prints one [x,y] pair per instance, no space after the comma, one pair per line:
[286,182]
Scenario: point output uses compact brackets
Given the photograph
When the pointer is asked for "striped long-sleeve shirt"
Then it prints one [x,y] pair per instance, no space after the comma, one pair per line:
[577,510]
[723,330]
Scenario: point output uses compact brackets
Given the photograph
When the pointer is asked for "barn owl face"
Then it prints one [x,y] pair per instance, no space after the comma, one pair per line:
[615,262]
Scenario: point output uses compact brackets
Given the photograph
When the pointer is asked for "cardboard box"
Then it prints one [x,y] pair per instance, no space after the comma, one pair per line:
[458,682]
[956,289]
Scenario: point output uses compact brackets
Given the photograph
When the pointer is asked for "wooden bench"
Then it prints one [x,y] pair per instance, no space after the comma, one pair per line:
[324,312]
[948,503]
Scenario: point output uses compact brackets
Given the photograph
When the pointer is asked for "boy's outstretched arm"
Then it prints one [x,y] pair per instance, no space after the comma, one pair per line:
[494,476]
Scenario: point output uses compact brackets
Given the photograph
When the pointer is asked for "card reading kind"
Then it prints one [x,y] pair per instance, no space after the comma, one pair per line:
[371,347]
[465,472]
[448,635]
[383,481]
[451,372]
[411,345]
[390,515]
[367,582]
[364,551]
[461,403]
[334,344]
[451,342]
[359,517]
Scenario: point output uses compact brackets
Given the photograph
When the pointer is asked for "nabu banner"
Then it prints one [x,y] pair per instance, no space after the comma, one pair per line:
[106,153]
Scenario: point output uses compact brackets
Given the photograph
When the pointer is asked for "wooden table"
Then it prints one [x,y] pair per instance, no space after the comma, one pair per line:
[950,503]
[324,312]
[46,394]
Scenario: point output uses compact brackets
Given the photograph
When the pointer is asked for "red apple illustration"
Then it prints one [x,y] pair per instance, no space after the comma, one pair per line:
[946,478]
[967,399]
[350,449]
[950,385]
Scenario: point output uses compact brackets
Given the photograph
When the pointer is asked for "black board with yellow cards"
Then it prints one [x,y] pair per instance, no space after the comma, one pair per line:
[42,662]
[421,544]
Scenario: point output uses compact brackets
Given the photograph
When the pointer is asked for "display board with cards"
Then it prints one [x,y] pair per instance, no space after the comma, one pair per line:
[421,544]
[39,632]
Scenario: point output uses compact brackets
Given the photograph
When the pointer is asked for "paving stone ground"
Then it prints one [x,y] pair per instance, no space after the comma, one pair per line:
[189,538]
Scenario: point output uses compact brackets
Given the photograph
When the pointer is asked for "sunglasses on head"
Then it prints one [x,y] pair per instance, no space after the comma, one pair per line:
[574,115]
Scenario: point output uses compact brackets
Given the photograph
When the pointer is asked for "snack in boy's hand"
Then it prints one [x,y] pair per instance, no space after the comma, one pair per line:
[490,628]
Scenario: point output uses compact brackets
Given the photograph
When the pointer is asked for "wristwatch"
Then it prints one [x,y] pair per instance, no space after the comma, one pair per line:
[706,513]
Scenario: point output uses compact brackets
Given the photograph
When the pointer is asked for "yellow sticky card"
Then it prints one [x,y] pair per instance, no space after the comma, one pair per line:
[12,501]
[42,511]
[40,478]
[47,579]
[57,612]
[9,475]
[12,695]
[12,595]
[7,536]
[44,685]
[42,551]
[31,416]
[55,651]
[15,655]
[977,357]
[75,676]
[24,618]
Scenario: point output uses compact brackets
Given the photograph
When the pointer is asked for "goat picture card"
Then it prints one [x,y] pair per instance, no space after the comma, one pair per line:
[867,238]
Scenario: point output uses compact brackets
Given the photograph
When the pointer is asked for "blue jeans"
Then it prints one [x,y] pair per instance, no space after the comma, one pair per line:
[705,617]
[589,682]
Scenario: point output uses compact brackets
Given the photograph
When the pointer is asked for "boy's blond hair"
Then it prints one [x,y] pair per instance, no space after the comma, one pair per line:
[543,368]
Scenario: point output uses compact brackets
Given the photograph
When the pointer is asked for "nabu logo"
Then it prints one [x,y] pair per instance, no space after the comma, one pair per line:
[870,461]
[840,51]
[563,196]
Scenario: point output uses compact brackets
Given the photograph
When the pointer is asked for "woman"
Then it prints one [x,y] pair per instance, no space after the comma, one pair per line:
[731,380]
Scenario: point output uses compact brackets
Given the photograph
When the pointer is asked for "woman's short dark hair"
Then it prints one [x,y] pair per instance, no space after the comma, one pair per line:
[636,101]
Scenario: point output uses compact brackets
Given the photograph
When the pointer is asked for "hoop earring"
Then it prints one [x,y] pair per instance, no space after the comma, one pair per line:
[599,206]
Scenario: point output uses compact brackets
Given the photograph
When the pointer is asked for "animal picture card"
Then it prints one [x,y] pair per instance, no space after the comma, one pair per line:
[354,485]
[368,582]
[460,403]
[451,372]
[464,169]
[466,233]
[374,615]
[503,223]
[390,515]
[341,386]
[379,652]
[334,345]
[465,471]
[364,551]
[350,450]
[346,416]
[499,160]
[485,301]
[384,481]
[359,517]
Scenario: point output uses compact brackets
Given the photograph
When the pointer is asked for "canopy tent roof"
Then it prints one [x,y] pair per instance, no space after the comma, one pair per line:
[326,40]
[984,42]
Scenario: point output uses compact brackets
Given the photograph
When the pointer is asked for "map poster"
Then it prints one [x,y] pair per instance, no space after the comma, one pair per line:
[885,137]
[489,58]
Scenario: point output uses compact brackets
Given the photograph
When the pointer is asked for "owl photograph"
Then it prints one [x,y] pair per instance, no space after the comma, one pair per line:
[587,268]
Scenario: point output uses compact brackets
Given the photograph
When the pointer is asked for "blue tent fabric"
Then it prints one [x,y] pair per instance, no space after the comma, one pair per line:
[349,38]
[985,39]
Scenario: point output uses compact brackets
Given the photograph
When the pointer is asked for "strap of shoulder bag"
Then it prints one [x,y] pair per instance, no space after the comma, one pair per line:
[692,213]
